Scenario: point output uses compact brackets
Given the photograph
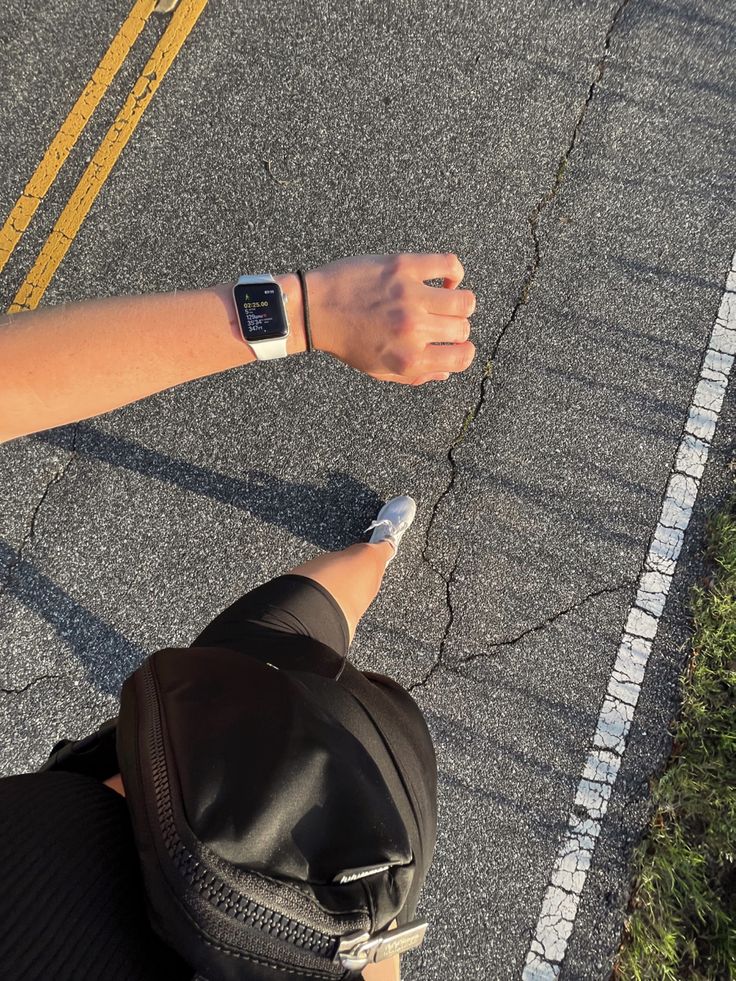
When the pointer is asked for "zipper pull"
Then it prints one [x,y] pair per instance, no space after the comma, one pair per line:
[360,948]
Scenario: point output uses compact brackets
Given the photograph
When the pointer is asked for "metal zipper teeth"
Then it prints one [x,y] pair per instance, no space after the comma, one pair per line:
[231,902]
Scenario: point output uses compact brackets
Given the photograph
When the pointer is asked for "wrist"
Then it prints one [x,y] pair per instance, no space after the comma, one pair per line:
[296,342]
[292,288]
[317,310]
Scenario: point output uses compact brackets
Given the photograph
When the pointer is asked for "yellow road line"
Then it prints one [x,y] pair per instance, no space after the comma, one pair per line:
[71,129]
[98,170]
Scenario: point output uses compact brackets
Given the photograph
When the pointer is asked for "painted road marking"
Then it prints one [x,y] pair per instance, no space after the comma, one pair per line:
[71,129]
[560,903]
[98,170]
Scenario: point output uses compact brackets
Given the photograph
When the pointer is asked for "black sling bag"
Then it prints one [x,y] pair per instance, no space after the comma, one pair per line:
[280,830]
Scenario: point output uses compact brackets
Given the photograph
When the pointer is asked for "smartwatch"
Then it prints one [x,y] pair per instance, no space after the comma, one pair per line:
[261,307]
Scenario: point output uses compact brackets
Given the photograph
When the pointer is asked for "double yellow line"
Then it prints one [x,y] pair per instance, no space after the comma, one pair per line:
[98,170]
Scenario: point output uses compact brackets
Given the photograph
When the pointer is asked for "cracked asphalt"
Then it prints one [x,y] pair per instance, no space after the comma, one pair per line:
[579,158]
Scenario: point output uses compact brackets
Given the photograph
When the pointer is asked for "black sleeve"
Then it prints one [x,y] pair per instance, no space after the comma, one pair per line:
[72,903]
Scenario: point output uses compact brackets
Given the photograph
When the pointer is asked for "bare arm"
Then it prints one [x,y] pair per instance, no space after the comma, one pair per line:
[69,362]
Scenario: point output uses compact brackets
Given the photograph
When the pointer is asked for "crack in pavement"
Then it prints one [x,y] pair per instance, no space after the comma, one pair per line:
[30,684]
[533,220]
[448,626]
[30,533]
[542,625]
[548,621]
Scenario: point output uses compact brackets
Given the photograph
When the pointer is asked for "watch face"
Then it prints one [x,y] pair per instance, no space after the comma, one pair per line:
[260,311]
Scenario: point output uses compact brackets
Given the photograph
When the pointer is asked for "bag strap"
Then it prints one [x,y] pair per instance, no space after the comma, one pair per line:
[94,755]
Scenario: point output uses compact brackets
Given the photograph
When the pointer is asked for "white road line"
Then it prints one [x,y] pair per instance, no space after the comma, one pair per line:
[560,903]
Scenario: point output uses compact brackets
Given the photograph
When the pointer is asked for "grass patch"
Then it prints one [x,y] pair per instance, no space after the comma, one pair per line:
[467,423]
[682,924]
[561,168]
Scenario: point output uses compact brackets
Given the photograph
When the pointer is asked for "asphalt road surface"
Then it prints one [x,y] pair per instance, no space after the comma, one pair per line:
[578,156]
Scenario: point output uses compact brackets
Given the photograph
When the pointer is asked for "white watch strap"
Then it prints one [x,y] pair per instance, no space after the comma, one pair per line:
[268,350]
[262,278]
[276,346]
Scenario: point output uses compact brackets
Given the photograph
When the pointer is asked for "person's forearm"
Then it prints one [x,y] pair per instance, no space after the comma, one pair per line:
[65,363]
[376,313]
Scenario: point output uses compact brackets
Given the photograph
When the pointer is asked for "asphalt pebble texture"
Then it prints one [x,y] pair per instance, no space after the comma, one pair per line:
[578,157]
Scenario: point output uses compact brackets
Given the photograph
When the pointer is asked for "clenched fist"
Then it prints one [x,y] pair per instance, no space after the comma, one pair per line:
[377,314]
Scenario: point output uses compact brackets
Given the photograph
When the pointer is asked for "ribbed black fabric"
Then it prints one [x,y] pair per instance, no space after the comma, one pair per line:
[72,904]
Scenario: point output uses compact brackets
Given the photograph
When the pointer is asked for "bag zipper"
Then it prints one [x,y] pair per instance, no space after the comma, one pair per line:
[231,902]
[360,948]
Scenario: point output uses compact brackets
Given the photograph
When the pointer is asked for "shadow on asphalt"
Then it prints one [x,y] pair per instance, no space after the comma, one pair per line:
[105,654]
[314,513]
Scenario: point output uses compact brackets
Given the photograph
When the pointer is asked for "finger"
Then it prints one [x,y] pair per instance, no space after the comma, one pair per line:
[448,302]
[447,357]
[438,265]
[389,377]
[446,330]
[440,376]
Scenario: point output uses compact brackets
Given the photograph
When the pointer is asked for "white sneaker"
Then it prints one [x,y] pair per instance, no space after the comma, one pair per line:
[393,520]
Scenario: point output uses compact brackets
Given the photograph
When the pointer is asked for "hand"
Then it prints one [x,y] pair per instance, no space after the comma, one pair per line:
[377,313]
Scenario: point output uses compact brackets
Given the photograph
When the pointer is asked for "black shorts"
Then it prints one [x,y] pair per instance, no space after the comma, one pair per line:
[290,604]
[268,622]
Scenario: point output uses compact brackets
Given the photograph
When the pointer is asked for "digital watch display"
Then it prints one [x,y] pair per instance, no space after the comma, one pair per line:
[261,311]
